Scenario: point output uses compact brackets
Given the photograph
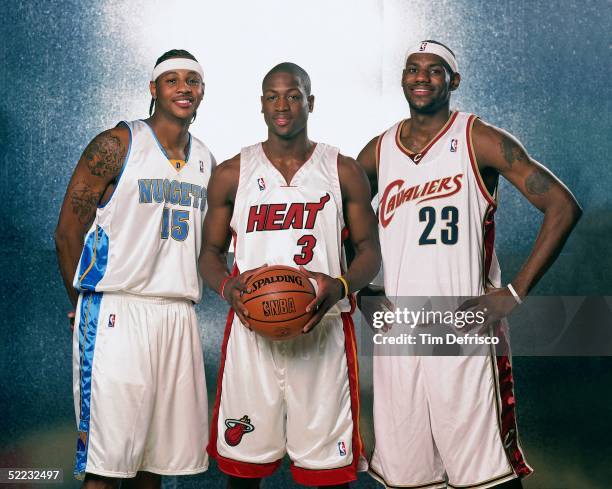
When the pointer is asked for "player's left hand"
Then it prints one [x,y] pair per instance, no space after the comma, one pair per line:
[495,304]
[71,315]
[329,291]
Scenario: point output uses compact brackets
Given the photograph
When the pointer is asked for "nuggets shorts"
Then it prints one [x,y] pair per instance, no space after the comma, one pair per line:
[139,388]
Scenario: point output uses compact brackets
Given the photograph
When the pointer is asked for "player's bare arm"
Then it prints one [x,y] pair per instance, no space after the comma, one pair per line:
[499,153]
[217,235]
[363,235]
[367,158]
[91,184]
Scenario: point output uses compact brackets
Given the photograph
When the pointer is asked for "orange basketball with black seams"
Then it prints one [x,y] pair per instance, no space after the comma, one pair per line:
[277,302]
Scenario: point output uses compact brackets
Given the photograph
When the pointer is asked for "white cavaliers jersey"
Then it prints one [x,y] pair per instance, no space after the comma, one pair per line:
[298,224]
[145,240]
[435,215]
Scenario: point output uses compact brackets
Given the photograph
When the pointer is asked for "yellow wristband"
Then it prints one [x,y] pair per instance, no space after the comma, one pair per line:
[345,285]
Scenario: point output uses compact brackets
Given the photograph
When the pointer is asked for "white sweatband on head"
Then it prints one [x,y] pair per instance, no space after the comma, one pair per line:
[177,64]
[437,49]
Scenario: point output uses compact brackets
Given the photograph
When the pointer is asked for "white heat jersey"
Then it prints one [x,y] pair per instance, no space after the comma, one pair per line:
[298,224]
[435,215]
[145,240]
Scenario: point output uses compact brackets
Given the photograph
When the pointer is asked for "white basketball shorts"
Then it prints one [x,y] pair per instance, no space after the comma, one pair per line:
[445,421]
[296,397]
[139,387]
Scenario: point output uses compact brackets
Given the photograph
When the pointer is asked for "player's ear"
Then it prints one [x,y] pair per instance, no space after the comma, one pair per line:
[153,89]
[261,99]
[454,81]
[310,100]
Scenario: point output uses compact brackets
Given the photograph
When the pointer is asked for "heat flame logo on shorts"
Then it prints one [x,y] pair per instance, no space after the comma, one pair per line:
[236,428]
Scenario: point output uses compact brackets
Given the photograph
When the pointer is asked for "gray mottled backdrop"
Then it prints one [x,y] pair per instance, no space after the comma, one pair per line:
[71,69]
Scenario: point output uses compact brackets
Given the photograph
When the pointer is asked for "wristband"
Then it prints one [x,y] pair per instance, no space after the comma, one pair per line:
[222,287]
[516,296]
[344,285]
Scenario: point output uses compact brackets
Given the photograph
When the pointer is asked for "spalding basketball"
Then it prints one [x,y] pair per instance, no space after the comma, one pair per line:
[277,302]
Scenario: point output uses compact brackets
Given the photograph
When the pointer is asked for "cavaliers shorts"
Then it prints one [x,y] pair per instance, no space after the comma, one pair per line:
[139,387]
[296,397]
[445,421]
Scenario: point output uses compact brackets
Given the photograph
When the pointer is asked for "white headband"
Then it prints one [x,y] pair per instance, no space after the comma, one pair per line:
[177,64]
[437,49]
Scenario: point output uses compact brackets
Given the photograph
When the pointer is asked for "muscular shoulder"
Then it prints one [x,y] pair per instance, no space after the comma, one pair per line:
[105,154]
[348,167]
[352,176]
[495,147]
[225,177]
[367,157]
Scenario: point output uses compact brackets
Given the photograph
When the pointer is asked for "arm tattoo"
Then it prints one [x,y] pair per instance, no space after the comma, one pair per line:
[511,151]
[538,182]
[104,155]
[84,201]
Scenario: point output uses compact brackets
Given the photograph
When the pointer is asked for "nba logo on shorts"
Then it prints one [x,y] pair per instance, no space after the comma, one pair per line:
[201,166]
[261,184]
[111,321]
[423,46]
[341,448]
[453,146]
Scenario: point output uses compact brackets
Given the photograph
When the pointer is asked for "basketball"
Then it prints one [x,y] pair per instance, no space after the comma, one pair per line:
[277,302]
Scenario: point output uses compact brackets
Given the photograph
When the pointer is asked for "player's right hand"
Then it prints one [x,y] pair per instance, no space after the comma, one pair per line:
[233,290]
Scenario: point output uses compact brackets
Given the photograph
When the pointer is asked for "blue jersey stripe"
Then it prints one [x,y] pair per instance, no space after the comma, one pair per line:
[94,259]
[88,328]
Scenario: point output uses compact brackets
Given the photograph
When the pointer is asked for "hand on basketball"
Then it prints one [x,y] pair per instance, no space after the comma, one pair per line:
[329,291]
[495,304]
[233,290]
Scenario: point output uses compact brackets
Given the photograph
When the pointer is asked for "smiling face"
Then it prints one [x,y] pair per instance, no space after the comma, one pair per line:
[178,93]
[427,82]
[285,104]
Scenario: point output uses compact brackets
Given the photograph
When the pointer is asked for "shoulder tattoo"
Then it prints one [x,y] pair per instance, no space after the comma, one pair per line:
[538,182]
[104,155]
[511,151]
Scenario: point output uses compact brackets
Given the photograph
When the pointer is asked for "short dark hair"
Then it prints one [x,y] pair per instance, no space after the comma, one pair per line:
[173,53]
[292,68]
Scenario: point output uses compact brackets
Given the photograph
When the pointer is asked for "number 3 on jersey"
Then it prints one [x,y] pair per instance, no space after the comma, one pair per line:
[307,242]
[180,224]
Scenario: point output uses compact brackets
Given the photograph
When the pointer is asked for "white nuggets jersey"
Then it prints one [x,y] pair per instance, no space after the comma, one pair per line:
[298,224]
[435,215]
[145,240]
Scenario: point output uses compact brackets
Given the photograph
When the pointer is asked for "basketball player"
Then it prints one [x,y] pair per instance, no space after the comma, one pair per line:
[298,396]
[127,240]
[450,421]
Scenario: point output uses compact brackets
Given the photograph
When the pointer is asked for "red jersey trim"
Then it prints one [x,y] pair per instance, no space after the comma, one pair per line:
[488,244]
[327,477]
[348,473]
[506,409]
[417,157]
[214,427]
[377,153]
[246,470]
[470,145]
